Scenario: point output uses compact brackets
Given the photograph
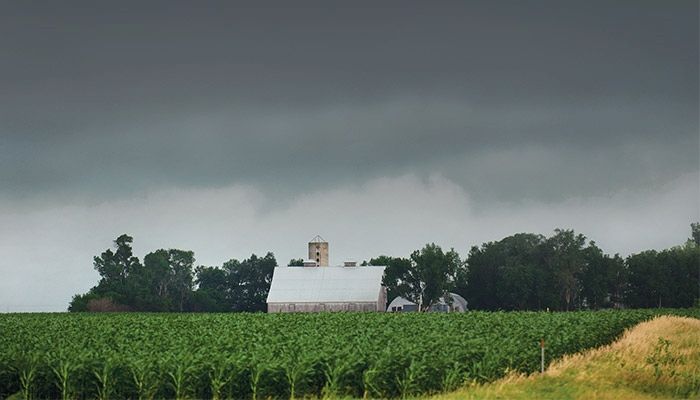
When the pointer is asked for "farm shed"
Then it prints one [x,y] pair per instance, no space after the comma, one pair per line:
[457,304]
[314,289]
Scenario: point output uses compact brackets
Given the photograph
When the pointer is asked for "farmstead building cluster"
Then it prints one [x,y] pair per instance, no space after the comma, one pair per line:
[316,286]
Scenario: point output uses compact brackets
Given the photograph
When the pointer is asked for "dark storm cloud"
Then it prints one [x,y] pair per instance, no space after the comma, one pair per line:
[506,98]
[230,128]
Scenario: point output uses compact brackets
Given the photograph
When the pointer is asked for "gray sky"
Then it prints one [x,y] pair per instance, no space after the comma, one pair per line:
[230,128]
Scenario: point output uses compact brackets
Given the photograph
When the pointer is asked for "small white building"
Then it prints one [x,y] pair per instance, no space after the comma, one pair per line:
[457,304]
[315,288]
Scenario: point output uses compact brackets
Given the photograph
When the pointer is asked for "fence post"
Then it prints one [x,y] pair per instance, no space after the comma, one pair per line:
[542,355]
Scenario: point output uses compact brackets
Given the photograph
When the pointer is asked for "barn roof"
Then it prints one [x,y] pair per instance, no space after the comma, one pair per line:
[325,284]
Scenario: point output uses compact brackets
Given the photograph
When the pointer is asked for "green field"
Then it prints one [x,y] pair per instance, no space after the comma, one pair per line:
[285,355]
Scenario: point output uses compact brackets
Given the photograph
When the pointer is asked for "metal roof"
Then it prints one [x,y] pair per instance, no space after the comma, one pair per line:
[325,284]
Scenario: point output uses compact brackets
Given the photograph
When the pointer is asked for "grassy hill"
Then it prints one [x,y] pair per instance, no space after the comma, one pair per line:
[657,359]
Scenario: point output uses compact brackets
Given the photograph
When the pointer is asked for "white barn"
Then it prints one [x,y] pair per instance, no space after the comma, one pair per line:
[315,289]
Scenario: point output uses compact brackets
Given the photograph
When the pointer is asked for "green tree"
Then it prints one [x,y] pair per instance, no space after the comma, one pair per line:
[396,268]
[249,282]
[505,275]
[567,262]
[157,279]
[617,277]
[516,288]
[681,265]
[212,290]
[81,302]
[526,271]
[648,284]
[603,279]
[163,283]
[167,280]
[296,262]
[695,255]
[431,275]
[480,290]
[181,264]
[695,233]
[669,278]
[115,267]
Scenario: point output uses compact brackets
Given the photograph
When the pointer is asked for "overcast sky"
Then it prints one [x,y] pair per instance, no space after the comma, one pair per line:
[232,128]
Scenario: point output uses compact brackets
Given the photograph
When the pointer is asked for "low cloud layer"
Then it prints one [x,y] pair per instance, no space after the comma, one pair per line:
[50,252]
[498,153]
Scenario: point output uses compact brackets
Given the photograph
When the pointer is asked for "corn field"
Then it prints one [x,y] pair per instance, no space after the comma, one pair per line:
[259,356]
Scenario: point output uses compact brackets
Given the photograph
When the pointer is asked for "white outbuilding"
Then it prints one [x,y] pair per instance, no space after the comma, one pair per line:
[456,303]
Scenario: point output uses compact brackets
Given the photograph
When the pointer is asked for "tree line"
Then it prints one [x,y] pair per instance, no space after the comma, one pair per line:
[566,271]
[525,271]
[167,281]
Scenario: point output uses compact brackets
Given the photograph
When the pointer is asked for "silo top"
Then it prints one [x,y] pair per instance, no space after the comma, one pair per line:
[317,239]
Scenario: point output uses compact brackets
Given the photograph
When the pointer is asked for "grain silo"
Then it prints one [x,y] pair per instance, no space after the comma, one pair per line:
[318,251]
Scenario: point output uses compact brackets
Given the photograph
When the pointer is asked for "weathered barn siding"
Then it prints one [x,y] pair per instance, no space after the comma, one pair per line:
[381,302]
[322,307]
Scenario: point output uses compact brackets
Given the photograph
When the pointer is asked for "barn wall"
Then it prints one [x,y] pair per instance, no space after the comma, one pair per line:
[381,304]
[323,307]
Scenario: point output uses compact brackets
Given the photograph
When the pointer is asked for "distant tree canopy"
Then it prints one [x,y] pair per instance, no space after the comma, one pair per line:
[524,271]
[527,271]
[236,286]
[531,272]
[563,272]
[296,262]
[668,278]
[167,281]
